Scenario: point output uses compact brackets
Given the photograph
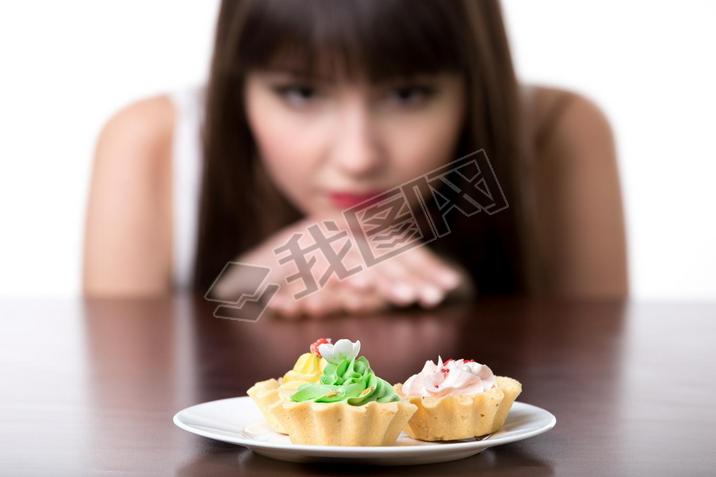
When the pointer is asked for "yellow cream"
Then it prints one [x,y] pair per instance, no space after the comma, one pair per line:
[308,369]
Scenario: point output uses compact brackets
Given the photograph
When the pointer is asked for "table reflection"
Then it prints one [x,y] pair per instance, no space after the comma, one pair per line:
[148,359]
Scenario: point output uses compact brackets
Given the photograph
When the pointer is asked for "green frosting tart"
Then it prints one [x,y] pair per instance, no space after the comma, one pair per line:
[346,377]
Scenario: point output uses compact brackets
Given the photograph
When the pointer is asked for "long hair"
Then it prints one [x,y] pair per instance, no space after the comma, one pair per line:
[383,39]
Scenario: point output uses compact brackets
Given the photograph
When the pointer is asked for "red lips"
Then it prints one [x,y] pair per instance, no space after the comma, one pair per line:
[344,200]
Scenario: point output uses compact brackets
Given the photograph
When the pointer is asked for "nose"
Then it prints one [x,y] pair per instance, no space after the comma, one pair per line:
[356,147]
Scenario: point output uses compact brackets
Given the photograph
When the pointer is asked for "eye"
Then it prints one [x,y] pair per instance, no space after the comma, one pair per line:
[411,95]
[297,95]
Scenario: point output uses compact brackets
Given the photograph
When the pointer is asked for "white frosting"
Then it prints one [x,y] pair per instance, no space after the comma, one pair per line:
[343,348]
[451,377]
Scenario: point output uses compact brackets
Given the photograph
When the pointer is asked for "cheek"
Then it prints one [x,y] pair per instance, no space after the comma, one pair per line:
[425,140]
[288,153]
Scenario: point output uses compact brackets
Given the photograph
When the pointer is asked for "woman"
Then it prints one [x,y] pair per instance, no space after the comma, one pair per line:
[312,107]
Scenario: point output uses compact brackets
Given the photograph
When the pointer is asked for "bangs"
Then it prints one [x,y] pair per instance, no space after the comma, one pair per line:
[375,39]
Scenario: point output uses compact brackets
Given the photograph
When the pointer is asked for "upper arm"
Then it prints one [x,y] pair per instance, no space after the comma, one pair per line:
[581,213]
[127,248]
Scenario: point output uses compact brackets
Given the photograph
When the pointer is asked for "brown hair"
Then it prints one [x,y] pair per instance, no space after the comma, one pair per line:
[381,39]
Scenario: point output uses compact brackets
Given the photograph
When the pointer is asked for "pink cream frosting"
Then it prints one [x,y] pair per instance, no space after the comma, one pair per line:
[451,377]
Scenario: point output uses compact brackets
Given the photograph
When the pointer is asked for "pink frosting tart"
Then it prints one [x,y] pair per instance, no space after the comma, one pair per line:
[451,377]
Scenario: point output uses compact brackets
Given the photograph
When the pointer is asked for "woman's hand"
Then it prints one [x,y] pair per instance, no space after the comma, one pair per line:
[416,276]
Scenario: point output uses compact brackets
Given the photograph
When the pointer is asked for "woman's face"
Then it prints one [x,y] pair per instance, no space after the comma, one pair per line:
[329,145]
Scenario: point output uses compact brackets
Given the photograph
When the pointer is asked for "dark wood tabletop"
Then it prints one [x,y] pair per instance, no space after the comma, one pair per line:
[90,387]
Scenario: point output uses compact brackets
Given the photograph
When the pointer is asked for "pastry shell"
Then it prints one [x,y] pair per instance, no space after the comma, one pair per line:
[461,416]
[266,396]
[341,424]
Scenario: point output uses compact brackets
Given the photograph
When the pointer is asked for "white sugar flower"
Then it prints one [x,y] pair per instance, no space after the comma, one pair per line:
[343,348]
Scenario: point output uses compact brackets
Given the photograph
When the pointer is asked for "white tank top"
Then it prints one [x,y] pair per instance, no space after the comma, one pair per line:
[186,171]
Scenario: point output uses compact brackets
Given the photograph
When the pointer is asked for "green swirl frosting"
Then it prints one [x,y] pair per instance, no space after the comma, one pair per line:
[349,380]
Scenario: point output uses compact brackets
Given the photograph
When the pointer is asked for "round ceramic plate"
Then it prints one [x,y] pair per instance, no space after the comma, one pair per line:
[238,421]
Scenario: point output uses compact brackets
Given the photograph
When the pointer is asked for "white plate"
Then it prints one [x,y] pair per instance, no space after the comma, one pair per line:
[238,421]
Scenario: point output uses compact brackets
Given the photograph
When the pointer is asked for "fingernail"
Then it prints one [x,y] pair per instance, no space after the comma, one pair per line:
[359,281]
[449,279]
[432,296]
[403,291]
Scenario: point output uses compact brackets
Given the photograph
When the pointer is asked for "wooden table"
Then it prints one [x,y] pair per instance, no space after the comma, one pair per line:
[90,387]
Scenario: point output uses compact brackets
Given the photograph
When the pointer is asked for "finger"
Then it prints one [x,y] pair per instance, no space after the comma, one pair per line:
[352,264]
[358,282]
[390,283]
[423,258]
[428,292]
[321,303]
[373,302]
[437,277]
[349,300]
[366,301]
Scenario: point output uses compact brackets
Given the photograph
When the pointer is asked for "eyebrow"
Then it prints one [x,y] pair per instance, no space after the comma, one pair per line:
[299,75]
[286,70]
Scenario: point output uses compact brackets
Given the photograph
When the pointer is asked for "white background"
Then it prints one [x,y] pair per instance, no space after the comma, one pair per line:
[66,66]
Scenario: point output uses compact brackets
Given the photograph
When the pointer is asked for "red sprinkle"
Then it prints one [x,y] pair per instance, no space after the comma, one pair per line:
[317,343]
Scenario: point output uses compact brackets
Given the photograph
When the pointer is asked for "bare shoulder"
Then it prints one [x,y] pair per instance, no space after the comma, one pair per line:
[133,156]
[135,145]
[128,226]
[581,226]
[146,123]
[569,122]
